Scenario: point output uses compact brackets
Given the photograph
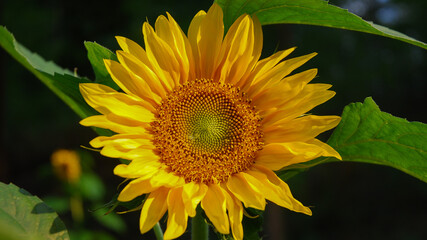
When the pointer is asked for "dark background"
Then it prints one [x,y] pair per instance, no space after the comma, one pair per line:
[350,200]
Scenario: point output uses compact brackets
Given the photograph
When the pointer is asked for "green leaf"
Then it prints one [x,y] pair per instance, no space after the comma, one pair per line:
[62,82]
[310,12]
[96,55]
[23,216]
[110,219]
[365,134]
[91,187]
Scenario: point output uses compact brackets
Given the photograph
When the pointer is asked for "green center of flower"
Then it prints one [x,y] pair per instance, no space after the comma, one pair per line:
[206,131]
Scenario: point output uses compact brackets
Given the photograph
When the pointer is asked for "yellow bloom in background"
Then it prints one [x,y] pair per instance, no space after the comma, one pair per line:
[66,165]
[203,120]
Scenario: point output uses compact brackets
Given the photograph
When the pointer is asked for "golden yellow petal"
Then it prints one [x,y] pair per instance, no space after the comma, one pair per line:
[236,51]
[106,100]
[161,57]
[245,193]
[311,96]
[192,194]
[116,151]
[300,129]
[177,216]
[127,141]
[280,92]
[193,33]
[277,73]
[235,215]
[256,53]
[142,77]
[274,188]
[102,121]
[153,209]
[265,65]
[167,179]
[208,39]
[214,204]
[143,166]
[273,157]
[133,48]
[328,151]
[136,188]
[276,156]
[142,74]
[131,85]
[171,33]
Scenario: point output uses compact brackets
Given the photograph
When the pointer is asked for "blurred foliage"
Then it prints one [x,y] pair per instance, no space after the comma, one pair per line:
[24,216]
[348,199]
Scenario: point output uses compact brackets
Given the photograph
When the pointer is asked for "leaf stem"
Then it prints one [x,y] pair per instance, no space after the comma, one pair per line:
[199,228]
[158,231]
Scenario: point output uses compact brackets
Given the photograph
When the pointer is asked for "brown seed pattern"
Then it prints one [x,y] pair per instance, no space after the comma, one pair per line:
[206,131]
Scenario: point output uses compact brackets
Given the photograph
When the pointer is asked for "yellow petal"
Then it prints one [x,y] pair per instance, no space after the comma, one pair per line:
[328,151]
[276,156]
[300,129]
[126,69]
[102,121]
[126,141]
[148,81]
[311,96]
[235,215]
[280,92]
[106,100]
[139,167]
[135,188]
[161,57]
[265,65]
[193,36]
[236,50]
[116,151]
[214,205]
[131,85]
[171,33]
[154,208]
[256,53]
[208,39]
[133,48]
[274,189]
[277,73]
[244,192]
[177,216]
[192,194]
[166,179]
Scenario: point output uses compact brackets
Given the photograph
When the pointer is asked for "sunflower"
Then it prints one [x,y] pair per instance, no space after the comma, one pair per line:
[205,121]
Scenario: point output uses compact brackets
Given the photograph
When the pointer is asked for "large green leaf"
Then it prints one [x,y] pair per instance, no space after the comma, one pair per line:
[61,81]
[366,134]
[96,55]
[23,216]
[310,12]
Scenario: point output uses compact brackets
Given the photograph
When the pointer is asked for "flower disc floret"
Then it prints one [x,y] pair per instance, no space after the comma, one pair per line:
[206,131]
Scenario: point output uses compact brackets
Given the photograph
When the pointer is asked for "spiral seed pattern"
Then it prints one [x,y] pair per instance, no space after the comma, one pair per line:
[206,131]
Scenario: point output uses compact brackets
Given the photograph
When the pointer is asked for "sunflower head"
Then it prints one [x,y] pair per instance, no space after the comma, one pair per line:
[205,121]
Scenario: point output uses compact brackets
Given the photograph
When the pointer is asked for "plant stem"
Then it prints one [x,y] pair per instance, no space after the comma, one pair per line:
[199,228]
[158,231]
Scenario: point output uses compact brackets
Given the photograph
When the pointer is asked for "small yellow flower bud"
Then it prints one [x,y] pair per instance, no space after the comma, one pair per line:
[66,165]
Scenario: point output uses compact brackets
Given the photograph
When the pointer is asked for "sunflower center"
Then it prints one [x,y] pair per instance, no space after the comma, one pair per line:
[207,131]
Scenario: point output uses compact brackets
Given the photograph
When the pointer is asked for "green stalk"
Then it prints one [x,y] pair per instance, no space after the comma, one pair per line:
[199,228]
[158,231]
